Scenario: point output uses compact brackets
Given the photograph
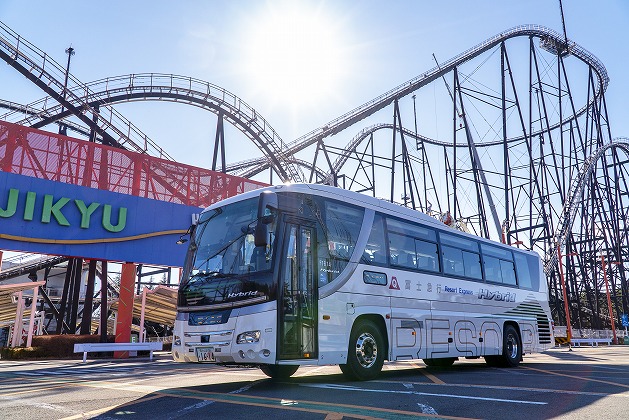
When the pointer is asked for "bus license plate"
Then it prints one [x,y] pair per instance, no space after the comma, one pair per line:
[205,354]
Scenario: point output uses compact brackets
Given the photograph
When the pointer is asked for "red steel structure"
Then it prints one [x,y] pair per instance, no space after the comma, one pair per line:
[55,157]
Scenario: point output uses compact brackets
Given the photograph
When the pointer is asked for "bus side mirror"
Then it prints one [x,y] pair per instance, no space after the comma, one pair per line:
[267,205]
[260,234]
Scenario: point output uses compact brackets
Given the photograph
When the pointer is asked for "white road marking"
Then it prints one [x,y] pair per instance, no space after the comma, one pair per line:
[466,397]
[195,406]
[426,409]
[243,389]
[408,386]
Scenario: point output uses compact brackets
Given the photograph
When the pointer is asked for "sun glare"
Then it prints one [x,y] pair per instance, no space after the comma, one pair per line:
[295,55]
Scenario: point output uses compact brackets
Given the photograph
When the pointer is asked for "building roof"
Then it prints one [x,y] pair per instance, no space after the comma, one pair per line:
[160,305]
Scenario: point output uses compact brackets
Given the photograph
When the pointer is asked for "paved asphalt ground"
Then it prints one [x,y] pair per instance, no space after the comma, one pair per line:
[584,383]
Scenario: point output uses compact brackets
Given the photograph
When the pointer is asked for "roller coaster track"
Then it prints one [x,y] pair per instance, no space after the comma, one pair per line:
[569,211]
[94,98]
[47,74]
[367,131]
[551,40]
[181,89]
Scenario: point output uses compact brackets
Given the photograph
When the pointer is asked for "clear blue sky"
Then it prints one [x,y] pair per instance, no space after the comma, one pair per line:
[369,47]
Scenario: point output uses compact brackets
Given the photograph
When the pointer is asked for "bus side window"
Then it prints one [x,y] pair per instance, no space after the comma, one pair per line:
[404,248]
[375,250]
[508,272]
[524,274]
[427,255]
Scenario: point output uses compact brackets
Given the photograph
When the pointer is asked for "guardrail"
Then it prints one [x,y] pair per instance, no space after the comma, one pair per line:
[96,347]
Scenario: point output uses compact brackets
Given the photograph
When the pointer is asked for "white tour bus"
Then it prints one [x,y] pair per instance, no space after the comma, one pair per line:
[315,275]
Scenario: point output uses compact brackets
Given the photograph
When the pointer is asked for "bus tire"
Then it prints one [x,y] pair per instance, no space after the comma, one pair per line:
[511,348]
[443,362]
[279,371]
[365,354]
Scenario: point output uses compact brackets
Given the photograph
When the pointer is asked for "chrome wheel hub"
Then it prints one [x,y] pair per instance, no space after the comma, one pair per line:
[366,350]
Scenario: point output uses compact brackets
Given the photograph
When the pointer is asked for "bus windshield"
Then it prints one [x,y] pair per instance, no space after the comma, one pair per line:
[223,244]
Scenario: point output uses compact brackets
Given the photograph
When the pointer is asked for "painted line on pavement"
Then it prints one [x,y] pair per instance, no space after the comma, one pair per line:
[428,394]
[576,377]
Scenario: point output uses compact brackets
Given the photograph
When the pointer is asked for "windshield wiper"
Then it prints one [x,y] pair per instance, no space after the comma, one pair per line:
[245,230]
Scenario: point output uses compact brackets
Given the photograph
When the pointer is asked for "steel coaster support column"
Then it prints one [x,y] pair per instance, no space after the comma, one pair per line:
[544,118]
[76,291]
[406,170]
[479,177]
[94,133]
[624,237]
[455,114]
[219,143]
[137,175]
[565,294]
[393,151]
[86,321]
[505,148]
[89,160]
[562,180]
[321,147]
[533,174]
[373,167]
[61,323]
[360,158]
[609,301]
[104,308]
[125,307]
[423,150]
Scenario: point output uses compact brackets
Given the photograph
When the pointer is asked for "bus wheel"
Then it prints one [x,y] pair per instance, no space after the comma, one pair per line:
[278,371]
[511,349]
[444,362]
[365,355]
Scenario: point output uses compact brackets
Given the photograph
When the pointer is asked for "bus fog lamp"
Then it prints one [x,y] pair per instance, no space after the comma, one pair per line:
[248,337]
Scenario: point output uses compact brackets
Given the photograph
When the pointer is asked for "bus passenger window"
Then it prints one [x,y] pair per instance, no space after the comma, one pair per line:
[402,250]
[427,255]
[453,261]
[375,250]
[471,261]
[492,269]
[508,272]
[524,274]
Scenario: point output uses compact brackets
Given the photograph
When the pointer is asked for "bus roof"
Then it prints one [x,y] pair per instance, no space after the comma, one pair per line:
[352,197]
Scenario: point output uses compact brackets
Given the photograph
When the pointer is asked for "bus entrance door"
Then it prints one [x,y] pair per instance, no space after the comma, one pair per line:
[298,299]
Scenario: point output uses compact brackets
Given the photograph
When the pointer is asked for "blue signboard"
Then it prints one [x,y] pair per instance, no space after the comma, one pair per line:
[625,320]
[50,217]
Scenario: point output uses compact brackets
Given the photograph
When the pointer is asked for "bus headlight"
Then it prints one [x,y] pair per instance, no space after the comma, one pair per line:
[248,337]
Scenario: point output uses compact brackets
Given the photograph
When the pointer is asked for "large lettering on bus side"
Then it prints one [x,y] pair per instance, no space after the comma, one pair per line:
[466,338]
[408,339]
[491,334]
[439,337]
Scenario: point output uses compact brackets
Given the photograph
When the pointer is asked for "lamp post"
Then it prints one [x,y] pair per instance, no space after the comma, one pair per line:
[70,52]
